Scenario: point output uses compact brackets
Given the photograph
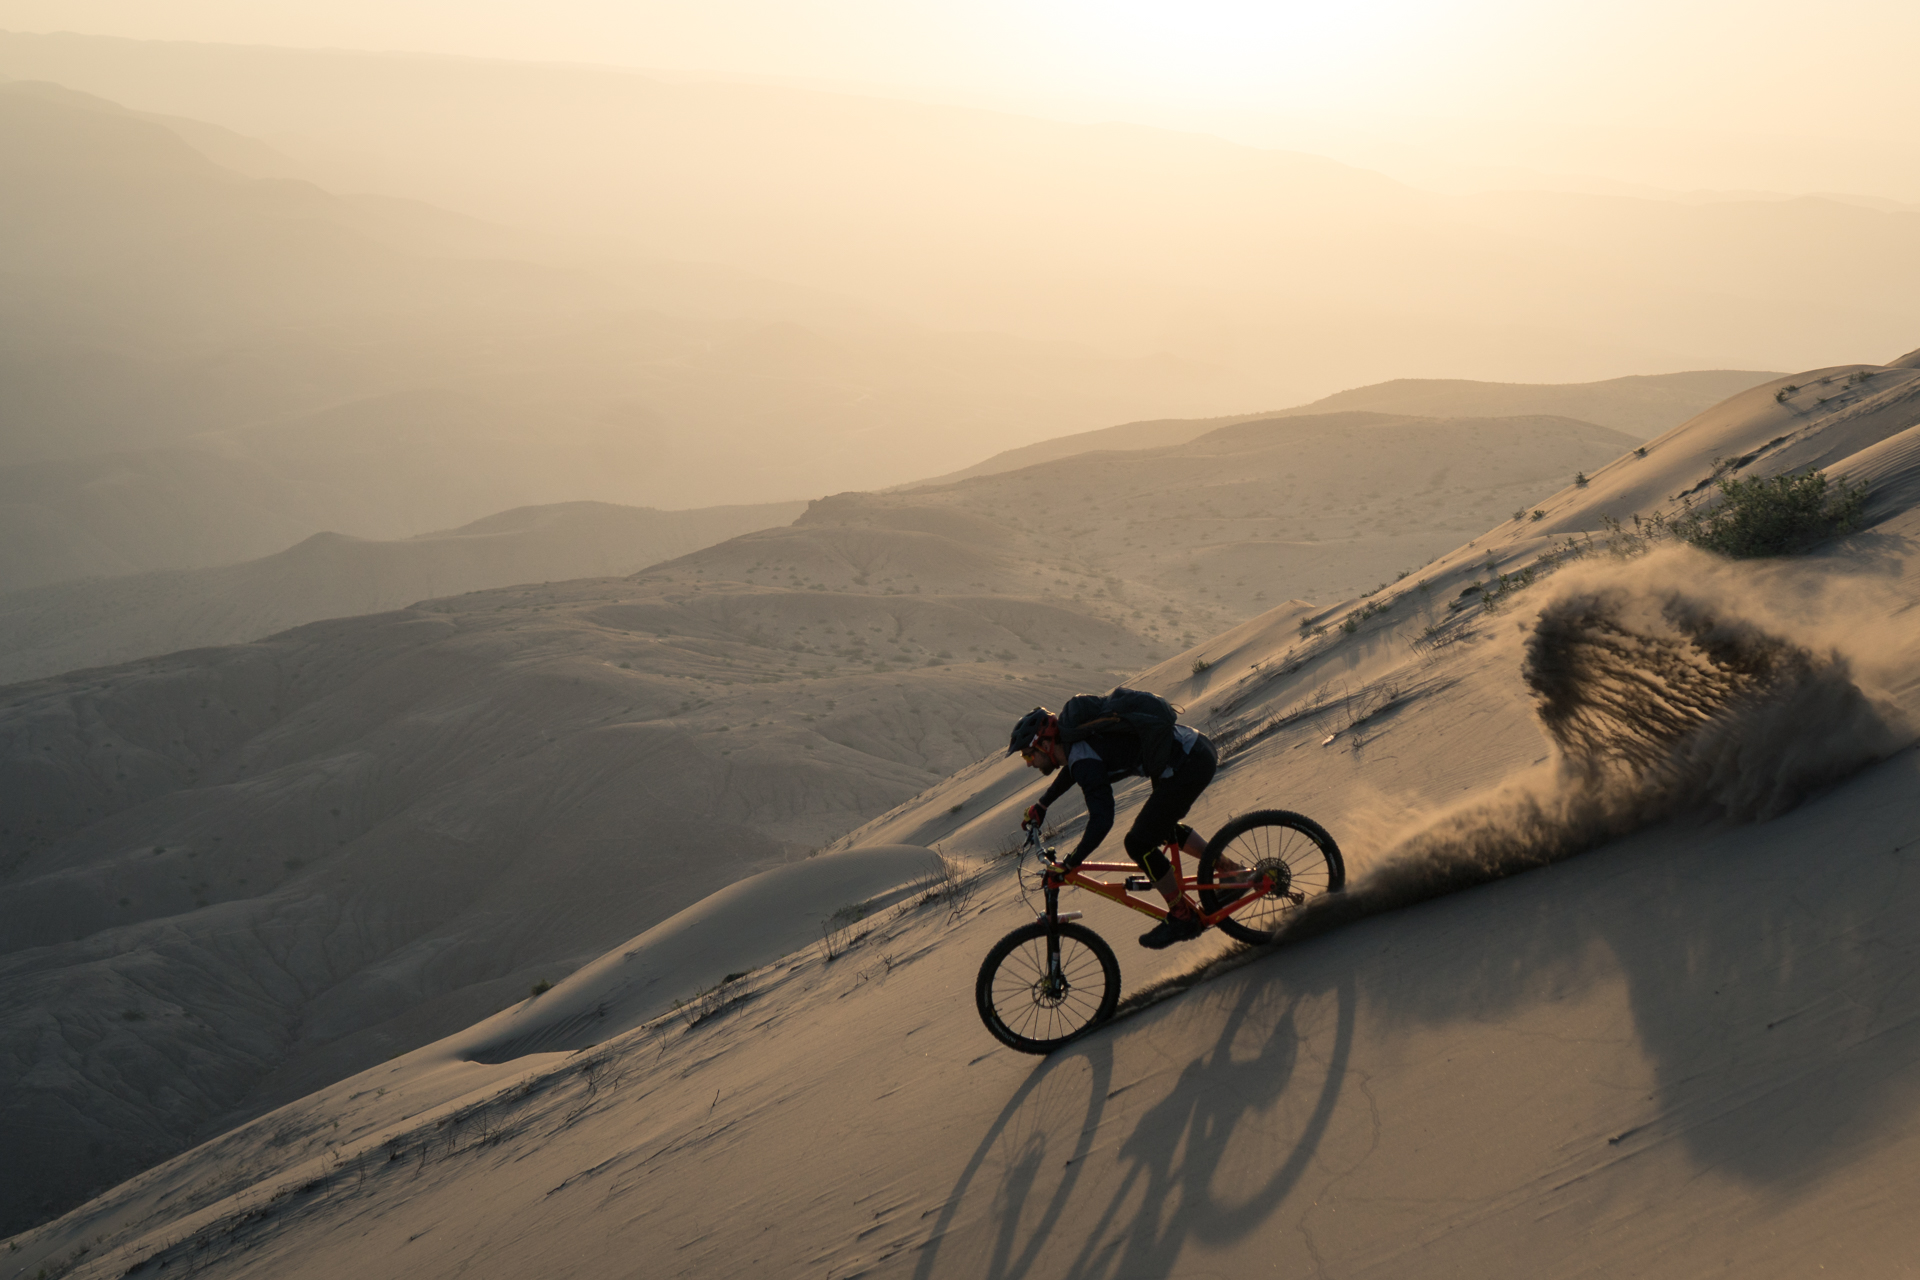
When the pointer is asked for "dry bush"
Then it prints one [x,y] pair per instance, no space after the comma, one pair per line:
[843,930]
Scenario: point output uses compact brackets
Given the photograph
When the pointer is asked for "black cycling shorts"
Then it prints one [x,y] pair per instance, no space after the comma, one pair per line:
[1172,797]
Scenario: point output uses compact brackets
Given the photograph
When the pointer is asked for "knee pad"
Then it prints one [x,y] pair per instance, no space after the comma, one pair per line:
[1150,859]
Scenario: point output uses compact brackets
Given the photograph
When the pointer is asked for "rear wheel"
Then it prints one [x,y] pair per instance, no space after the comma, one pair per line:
[1296,852]
[1031,1005]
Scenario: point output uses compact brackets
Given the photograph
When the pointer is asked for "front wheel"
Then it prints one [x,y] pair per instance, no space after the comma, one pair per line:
[1032,1004]
[1295,851]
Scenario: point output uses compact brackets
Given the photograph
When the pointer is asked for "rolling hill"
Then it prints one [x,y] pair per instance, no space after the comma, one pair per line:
[1637,406]
[91,623]
[205,367]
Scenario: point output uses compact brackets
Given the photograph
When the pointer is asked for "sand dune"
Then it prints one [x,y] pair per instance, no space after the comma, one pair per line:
[441,785]
[46,630]
[408,818]
[1636,406]
[1597,1065]
[1318,506]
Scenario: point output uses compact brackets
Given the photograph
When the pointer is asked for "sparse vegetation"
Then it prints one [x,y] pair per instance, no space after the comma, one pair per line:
[1360,615]
[1201,665]
[841,931]
[1580,480]
[1771,515]
[951,883]
[710,1002]
[540,988]
[1538,514]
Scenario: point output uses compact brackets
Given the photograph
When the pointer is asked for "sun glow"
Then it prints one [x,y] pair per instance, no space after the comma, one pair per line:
[1230,52]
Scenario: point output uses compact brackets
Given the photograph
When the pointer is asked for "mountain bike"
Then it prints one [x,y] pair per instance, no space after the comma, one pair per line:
[1055,980]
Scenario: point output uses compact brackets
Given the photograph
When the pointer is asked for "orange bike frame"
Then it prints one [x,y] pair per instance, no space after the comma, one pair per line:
[1153,906]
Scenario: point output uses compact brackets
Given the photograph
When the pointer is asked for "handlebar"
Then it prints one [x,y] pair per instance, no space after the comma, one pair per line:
[1048,855]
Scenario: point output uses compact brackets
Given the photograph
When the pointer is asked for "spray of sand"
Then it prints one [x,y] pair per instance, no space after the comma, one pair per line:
[1672,687]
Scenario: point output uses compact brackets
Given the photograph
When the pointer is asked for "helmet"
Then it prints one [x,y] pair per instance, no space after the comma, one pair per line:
[1034,726]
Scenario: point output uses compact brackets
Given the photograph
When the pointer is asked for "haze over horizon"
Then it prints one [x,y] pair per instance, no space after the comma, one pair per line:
[1476,94]
[524,529]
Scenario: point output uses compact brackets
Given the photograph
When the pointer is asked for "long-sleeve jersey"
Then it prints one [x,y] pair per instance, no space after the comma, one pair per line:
[1095,765]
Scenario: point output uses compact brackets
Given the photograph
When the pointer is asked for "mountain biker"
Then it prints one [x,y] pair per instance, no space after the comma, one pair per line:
[1094,762]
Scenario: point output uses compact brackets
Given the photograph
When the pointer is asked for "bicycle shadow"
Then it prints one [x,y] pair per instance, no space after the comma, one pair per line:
[1162,1185]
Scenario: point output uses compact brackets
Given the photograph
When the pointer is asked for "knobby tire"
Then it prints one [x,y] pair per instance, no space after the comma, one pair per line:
[1295,850]
[1015,999]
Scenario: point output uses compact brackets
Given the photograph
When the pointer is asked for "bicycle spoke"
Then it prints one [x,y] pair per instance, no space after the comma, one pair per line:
[1033,1008]
[1297,857]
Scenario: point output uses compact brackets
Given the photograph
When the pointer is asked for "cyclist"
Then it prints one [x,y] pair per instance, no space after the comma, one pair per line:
[1094,762]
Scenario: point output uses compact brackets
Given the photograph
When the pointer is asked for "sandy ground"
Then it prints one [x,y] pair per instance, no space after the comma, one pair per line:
[1686,1051]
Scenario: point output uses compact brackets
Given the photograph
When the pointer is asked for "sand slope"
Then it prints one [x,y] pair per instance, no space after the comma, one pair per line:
[1638,406]
[1609,1063]
[46,630]
[408,818]
[766,693]
[1317,506]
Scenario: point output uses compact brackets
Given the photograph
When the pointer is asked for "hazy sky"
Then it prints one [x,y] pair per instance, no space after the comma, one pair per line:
[1674,94]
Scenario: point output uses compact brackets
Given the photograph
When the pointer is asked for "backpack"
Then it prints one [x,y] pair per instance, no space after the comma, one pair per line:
[1132,712]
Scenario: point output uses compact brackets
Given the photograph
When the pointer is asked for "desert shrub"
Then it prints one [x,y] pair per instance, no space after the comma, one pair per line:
[540,988]
[1772,515]
[841,930]
[1200,665]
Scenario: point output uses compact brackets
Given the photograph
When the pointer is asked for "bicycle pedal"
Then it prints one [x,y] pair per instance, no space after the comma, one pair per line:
[1137,883]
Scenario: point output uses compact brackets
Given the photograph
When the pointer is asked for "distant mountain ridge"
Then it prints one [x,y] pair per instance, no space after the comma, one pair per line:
[50,629]
[203,367]
[1639,405]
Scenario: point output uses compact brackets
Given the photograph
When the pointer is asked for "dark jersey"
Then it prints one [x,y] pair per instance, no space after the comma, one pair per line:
[1094,766]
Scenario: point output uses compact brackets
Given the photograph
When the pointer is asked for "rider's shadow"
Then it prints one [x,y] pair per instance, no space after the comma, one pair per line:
[1051,1180]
